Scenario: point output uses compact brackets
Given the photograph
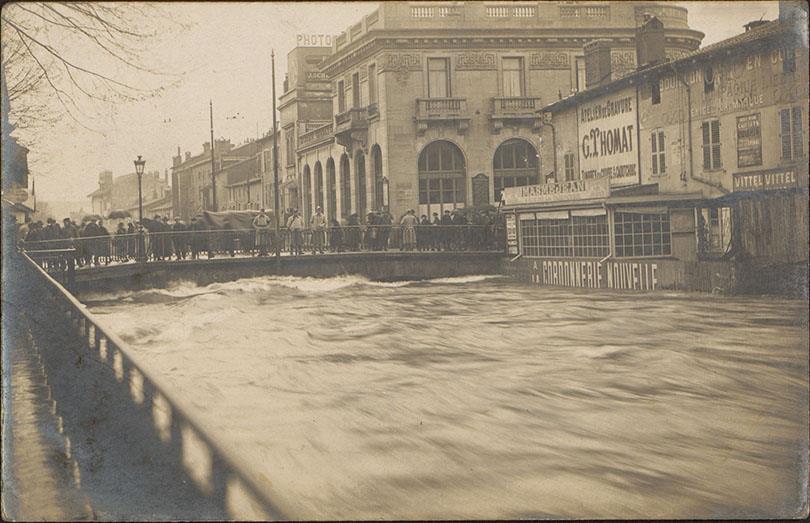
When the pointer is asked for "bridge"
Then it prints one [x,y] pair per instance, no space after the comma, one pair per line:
[132,447]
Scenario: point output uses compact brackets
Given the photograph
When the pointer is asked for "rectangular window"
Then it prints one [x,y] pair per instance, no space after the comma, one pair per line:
[372,83]
[341,96]
[290,142]
[655,87]
[529,235]
[790,131]
[580,72]
[708,79]
[554,238]
[356,90]
[749,141]
[789,60]
[659,162]
[642,234]
[438,78]
[568,159]
[513,76]
[714,230]
[711,145]
[590,235]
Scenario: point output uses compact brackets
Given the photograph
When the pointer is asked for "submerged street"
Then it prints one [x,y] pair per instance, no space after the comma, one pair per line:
[477,397]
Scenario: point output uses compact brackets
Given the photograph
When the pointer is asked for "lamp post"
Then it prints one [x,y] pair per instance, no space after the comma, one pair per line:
[139,164]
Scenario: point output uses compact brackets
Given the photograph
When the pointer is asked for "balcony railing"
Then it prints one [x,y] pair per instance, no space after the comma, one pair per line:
[324,133]
[351,125]
[515,108]
[439,110]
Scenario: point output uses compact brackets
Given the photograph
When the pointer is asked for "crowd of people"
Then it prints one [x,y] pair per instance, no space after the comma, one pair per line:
[166,239]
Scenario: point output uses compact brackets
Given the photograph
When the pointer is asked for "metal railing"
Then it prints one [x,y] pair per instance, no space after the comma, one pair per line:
[440,107]
[215,470]
[353,118]
[61,256]
[510,105]
[321,134]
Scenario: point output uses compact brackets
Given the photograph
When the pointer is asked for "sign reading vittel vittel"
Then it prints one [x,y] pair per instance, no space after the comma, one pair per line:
[607,138]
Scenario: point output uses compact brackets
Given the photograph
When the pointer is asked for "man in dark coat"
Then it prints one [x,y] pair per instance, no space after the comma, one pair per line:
[446,230]
[179,239]
[459,238]
[353,232]
[385,221]
[89,235]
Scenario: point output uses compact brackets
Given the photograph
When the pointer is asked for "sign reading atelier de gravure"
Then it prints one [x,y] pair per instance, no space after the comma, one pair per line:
[770,180]
[475,61]
[549,61]
[607,136]
[557,192]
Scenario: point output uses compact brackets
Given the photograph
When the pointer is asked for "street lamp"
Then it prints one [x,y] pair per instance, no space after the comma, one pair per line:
[139,164]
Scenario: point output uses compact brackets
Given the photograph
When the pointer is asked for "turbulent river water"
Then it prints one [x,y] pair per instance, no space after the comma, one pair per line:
[479,397]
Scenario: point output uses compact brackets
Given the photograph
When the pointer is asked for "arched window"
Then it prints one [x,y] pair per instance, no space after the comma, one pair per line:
[307,194]
[345,187]
[442,178]
[376,160]
[318,185]
[360,183]
[516,164]
[331,189]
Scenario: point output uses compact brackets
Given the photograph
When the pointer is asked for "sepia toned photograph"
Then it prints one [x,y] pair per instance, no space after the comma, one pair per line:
[405,260]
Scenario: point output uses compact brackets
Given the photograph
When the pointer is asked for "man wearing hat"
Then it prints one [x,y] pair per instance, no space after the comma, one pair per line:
[318,226]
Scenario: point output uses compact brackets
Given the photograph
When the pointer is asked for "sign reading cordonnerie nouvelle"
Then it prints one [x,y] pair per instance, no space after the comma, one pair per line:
[607,138]
[557,192]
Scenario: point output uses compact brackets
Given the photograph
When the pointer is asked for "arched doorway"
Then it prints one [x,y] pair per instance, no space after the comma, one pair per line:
[442,178]
[331,190]
[318,185]
[376,162]
[307,208]
[516,164]
[345,187]
[360,183]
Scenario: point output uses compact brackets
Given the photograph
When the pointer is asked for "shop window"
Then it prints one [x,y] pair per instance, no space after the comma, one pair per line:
[714,230]
[642,234]
[790,131]
[568,160]
[554,238]
[659,162]
[591,237]
[529,235]
[708,79]
[438,78]
[711,145]
[655,87]
[749,141]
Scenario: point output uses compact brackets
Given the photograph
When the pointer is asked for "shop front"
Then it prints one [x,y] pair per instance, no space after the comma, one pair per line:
[584,234]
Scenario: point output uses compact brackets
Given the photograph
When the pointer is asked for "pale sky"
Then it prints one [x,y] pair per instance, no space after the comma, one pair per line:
[226,57]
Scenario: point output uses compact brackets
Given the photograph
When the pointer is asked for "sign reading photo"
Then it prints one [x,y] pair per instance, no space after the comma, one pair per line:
[607,139]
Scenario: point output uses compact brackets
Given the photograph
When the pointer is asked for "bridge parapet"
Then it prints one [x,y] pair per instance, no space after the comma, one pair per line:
[216,472]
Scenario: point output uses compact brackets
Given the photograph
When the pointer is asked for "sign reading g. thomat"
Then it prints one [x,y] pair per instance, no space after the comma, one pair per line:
[607,138]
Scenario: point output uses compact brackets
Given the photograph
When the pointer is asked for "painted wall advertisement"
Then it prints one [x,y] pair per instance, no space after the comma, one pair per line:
[607,139]
[590,274]
[511,234]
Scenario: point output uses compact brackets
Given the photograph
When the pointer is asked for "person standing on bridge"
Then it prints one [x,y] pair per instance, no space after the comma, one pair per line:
[296,225]
[261,224]
[408,223]
[318,226]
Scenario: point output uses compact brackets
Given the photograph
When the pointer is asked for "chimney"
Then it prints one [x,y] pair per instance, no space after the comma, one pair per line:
[650,42]
[597,63]
[188,156]
[206,147]
[754,24]
[177,160]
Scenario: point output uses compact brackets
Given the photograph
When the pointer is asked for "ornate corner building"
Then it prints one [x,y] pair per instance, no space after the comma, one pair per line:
[434,106]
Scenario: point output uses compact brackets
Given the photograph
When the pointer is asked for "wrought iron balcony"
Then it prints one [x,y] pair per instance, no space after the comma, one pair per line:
[317,136]
[351,125]
[441,110]
[517,109]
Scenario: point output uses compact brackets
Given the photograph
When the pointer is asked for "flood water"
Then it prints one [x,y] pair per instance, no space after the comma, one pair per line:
[479,397]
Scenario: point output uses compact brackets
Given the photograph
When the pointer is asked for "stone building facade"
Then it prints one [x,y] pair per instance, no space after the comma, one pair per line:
[689,173]
[433,106]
